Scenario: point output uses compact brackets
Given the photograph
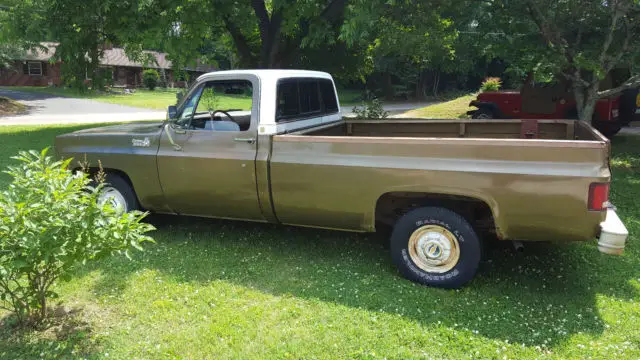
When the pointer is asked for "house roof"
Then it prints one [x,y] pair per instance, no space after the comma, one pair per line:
[116,57]
[41,54]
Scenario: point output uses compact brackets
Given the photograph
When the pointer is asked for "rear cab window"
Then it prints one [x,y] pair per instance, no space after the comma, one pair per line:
[304,98]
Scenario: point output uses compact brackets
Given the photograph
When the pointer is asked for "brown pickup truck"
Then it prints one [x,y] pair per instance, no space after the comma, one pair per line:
[272,146]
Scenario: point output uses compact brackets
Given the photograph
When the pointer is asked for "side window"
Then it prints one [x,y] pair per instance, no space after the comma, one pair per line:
[223,105]
[189,107]
[329,99]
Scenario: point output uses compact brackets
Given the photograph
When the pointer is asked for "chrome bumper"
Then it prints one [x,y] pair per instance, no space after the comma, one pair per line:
[613,234]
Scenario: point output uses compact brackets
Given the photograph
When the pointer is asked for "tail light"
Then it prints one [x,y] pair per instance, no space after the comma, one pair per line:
[598,196]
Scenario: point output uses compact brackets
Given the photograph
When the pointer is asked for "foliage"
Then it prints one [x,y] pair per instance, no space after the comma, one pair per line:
[371,109]
[50,222]
[210,100]
[150,78]
[583,41]
[491,84]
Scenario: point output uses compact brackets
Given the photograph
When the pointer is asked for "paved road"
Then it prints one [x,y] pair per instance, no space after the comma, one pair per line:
[55,109]
[45,109]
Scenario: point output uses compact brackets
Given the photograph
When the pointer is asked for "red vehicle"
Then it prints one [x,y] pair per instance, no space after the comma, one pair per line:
[546,101]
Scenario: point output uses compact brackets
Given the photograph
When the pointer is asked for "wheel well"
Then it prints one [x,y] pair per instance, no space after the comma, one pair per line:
[495,110]
[93,171]
[391,206]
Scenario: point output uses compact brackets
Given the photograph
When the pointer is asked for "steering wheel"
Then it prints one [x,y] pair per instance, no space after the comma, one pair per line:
[224,112]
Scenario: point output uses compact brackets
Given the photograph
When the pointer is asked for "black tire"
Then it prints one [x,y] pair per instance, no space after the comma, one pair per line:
[483,113]
[607,128]
[122,186]
[470,249]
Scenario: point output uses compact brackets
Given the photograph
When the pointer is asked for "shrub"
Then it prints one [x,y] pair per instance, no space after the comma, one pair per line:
[150,78]
[50,222]
[371,109]
[491,84]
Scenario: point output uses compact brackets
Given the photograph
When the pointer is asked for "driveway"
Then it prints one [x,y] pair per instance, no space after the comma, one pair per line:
[47,109]
[54,109]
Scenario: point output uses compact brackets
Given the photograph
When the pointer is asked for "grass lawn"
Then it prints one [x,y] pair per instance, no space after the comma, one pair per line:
[453,109]
[158,99]
[222,289]
[10,107]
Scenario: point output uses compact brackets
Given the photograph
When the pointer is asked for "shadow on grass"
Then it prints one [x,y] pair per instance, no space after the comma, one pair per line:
[65,335]
[540,297]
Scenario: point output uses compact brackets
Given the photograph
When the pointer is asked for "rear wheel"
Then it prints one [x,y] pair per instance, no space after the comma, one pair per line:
[118,193]
[435,246]
[484,113]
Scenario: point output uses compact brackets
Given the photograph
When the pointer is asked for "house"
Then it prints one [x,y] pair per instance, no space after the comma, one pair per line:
[35,68]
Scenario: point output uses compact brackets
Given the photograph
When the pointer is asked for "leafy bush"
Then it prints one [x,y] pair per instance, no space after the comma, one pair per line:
[491,84]
[50,222]
[150,78]
[371,109]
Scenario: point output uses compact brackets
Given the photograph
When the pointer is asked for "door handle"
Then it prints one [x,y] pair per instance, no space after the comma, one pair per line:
[247,140]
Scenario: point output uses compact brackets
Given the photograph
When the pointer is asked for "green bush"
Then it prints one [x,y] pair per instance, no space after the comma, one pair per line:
[50,222]
[491,84]
[371,109]
[150,78]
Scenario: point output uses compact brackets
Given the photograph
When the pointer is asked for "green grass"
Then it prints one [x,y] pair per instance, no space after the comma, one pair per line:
[160,99]
[453,109]
[221,289]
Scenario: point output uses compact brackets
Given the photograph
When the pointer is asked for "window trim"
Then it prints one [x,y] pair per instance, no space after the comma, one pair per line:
[29,63]
[307,115]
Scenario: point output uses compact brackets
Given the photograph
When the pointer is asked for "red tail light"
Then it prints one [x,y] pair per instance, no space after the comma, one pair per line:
[598,196]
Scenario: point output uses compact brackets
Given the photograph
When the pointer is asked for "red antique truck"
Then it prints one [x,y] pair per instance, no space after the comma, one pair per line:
[552,100]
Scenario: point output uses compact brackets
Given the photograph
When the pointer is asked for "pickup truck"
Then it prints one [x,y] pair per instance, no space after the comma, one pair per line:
[272,146]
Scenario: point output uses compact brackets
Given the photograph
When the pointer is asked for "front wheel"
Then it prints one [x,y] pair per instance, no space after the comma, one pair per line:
[483,113]
[436,247]
[118,193]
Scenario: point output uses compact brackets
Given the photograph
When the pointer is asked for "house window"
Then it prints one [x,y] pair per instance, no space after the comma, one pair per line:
[35,68]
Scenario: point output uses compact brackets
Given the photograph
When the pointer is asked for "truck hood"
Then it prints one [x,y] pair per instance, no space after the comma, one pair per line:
[102,143]
[146,128]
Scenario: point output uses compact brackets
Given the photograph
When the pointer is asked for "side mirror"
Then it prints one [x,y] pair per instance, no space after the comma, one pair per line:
[172,112]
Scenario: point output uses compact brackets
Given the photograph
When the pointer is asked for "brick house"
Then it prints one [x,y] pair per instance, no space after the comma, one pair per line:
[36,68]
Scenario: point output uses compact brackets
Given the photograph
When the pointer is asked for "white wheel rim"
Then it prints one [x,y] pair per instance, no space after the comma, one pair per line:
[110,195]
[483,116]
[434,249]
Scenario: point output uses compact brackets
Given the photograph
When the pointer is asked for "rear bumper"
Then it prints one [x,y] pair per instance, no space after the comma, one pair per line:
[613,234]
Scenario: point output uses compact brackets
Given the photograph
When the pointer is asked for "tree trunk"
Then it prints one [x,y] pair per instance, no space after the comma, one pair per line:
[586,99]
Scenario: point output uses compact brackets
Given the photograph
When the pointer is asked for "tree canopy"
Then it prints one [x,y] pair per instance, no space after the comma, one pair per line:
[580,40]
[407,43]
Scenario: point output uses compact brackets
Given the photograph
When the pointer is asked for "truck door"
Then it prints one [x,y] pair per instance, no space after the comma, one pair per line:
[206,158]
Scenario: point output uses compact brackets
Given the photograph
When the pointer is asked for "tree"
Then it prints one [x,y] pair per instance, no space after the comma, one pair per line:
[82,29]
[51,221]
[581,40]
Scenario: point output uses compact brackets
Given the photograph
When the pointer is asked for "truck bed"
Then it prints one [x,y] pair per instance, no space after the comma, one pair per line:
[533,176]
[487,129]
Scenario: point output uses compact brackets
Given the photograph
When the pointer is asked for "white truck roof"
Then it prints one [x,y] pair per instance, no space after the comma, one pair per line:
[268,94]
